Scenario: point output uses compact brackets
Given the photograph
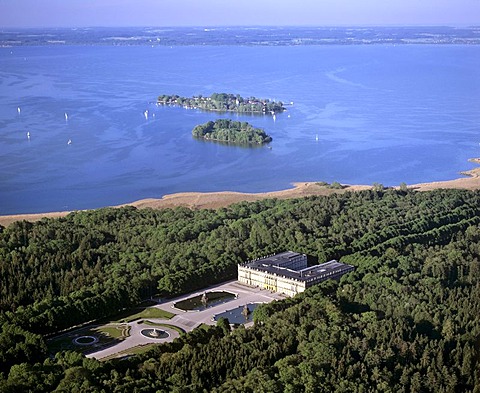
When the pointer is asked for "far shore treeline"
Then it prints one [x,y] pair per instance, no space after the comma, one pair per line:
[406,320]
[229,131]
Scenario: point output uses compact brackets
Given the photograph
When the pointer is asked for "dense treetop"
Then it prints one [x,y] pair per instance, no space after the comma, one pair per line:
[224,102]
[406,320]
[230,131]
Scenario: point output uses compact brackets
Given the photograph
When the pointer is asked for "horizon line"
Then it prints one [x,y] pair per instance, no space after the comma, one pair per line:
[453,25]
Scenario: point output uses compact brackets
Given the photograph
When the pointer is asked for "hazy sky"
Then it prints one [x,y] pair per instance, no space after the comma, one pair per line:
[76,13]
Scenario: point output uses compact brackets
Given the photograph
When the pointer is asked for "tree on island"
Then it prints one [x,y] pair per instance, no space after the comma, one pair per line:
[225,130]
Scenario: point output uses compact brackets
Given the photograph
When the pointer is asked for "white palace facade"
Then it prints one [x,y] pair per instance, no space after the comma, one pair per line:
[288,272]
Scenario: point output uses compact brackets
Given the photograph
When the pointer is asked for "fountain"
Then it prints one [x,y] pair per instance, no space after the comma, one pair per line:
[204,301]
[246,311]
[155,333]
[239,315]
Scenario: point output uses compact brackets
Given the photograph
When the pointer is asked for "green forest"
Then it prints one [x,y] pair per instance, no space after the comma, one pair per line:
[406,320]
[224,102]
[230,131]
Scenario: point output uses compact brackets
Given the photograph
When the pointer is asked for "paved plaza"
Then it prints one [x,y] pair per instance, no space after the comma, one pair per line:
[188,320]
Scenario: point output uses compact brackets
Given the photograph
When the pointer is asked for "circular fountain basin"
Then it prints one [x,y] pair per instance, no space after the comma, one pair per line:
[85,340]
[155,333]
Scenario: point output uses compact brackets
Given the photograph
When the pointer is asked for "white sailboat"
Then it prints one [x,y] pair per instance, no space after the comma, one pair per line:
[146,114]
[28,134]
[69,142]
[316,137]
[66,116]
[18,110]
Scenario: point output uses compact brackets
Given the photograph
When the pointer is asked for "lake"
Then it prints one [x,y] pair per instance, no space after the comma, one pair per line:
[382,113]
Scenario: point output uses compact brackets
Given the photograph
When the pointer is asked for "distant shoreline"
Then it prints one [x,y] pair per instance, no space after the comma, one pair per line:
[262,35]
[215,200]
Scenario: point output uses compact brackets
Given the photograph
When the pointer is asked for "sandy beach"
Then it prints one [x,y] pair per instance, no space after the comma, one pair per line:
[214,200]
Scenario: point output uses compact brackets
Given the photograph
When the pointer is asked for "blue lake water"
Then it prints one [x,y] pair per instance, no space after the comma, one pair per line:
[382,113]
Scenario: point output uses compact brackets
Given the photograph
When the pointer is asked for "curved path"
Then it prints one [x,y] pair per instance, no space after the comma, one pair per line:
[136,338]
[188,320]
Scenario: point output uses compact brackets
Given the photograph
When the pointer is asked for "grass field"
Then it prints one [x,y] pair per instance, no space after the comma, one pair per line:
[173,327]
[120,331]
[142,313]
[106,335]
[131,351]
[110,331]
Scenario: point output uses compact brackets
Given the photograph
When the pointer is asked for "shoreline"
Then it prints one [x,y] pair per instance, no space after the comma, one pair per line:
[215,200]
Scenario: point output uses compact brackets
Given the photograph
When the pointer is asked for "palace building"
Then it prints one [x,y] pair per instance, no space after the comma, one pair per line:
[288,272]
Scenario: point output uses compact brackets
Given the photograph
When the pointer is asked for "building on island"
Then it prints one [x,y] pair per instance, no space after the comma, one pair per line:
[288,272]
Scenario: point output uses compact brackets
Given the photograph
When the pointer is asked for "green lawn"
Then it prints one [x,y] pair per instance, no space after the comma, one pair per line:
[106,335]
[109,333]
[173,327]
[114,331]
[150,312]
[131,351]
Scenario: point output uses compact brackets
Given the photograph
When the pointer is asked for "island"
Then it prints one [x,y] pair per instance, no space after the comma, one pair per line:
[223,102]
[230,131]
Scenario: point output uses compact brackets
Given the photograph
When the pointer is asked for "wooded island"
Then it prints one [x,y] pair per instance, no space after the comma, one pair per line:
[229,131]
[224,102]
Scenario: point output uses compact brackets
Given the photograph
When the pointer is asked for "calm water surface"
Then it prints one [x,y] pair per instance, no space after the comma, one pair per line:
[382,114]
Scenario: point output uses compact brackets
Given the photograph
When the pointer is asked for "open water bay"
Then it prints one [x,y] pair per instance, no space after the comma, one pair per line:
[382,113]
